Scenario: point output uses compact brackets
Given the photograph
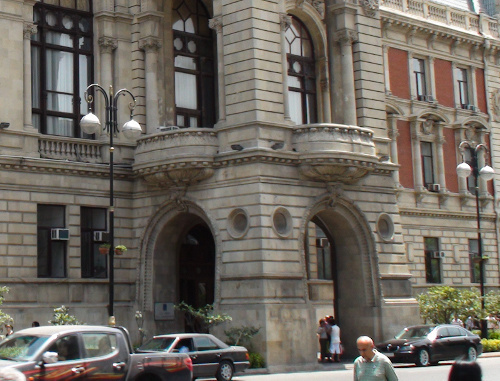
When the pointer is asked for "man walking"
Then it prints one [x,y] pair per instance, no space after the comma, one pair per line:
[372,365]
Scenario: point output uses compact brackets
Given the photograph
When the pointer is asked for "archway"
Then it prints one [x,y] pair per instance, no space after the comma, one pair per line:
[342,269]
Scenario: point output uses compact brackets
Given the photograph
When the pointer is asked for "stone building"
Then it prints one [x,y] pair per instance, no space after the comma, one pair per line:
[298,158]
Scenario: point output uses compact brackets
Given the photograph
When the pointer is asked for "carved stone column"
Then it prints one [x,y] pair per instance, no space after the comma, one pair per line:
[29,30]
[387,79]
[431,77]
[216,24]
[393,135]
[151,45]
[417,155]
[346,38]
[285,22]
[440,155]
[106,47]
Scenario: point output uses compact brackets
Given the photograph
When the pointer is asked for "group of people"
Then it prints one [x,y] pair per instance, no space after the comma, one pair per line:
[372,365]
[329,340]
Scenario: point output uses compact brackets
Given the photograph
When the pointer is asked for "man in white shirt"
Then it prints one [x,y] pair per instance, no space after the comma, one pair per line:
[372,365]
[335,348]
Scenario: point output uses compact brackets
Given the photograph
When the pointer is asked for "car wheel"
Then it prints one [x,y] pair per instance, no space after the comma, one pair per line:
[423,358]
[471,354]
[225,371]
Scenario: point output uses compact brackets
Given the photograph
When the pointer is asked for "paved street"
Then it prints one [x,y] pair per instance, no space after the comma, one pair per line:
[490,367]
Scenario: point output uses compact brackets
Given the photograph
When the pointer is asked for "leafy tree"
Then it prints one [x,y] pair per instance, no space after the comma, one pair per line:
[62,317]
[4,318]
[441,303]
[241,335]
[492,302]
[201,319]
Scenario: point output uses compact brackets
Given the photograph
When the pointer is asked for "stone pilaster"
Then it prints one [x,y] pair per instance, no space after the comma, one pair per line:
[151,46]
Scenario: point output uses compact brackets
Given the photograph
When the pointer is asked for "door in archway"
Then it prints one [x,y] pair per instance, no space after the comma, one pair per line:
[197,268]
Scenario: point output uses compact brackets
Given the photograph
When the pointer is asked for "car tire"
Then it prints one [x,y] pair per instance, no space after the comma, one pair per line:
[471,354]
[423,358]
[225,371]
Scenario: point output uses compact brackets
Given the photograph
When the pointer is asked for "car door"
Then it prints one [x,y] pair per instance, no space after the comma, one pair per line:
[441,344]
[104,357]
[70,364]
[458,342]
[208,355]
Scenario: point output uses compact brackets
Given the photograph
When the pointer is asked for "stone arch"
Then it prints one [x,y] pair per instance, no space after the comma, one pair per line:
[474,121]
[393,109]
[171,220]
[434,115]
[357,273]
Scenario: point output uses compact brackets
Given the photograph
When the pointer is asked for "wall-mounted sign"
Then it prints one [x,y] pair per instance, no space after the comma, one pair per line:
[164,311]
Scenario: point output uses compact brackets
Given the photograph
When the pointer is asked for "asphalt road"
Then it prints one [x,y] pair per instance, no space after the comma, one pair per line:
[490,368]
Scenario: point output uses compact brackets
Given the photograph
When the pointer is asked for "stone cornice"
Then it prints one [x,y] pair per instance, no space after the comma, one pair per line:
[445,214]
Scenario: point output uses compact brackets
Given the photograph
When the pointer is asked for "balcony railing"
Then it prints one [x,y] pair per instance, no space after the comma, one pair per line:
[63,148]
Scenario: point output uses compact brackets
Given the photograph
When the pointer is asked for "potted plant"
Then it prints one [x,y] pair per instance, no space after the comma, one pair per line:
[120,249]
[104,248]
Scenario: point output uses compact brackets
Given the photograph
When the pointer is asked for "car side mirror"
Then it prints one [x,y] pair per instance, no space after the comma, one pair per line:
[50,357]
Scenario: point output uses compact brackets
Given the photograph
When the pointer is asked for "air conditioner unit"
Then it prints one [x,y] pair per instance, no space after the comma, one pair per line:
[426,98]
[433,187]
[59,234]
[101,236]
[438,254]
[470,107]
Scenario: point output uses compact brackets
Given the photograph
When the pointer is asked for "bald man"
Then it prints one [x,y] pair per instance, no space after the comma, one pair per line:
[372,365]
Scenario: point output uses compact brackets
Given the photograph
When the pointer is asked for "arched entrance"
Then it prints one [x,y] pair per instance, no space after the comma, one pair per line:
[178,264]
[342,270]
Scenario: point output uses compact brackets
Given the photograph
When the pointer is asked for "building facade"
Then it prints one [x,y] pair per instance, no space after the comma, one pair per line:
[298,159]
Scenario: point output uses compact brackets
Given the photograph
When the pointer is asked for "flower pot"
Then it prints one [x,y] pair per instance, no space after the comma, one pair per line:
[104,250]
[118,252]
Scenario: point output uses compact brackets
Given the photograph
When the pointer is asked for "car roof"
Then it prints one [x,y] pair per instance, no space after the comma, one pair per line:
[184,335]
[50,330]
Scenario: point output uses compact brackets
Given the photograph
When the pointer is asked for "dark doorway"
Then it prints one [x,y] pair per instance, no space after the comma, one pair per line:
[197,268]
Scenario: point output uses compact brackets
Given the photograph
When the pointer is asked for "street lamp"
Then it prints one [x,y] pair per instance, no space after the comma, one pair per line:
[90,124]
[464,170]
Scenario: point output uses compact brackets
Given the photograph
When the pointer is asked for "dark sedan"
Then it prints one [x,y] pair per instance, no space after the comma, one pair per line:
[429,344]
[211,357]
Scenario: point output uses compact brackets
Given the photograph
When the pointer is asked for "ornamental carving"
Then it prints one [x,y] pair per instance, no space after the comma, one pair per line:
[29,30]
[107,44]
[370,7]
[319,5]
[346,36]
[216,24]
[428,126]
[149,44]
[495,99]
[285,21]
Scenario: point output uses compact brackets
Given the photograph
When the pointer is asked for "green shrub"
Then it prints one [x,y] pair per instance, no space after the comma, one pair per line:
[256,360]
[495,335]
[491,345]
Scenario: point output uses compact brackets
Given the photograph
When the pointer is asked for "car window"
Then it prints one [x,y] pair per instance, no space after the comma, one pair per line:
[67,348]
[414,332]
[157,344]
[99,344]
[21,348]
[184,346]
[204,344]
[454,331]
[442,332]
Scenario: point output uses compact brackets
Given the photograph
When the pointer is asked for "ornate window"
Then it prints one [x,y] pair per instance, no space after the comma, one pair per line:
[463,87]
[426,149]
[301,73]
[194,65]
[61,54]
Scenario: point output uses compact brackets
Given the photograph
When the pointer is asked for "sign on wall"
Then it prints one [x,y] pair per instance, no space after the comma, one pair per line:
[164,311]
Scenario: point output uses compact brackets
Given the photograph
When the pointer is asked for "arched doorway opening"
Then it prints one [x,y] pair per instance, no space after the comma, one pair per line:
[342,270]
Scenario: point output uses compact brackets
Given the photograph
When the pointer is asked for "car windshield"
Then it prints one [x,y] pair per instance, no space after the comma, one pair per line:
[21,348]
[413,333]
[158,344]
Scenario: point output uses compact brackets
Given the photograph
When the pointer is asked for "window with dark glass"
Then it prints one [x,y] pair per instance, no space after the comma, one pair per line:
[419,73]
[324,257]
[463,88]
[51,259]
[301,73]
[194,65]
[432,260]
[427,163]
[61,55]
[93,220]
[474,260]
[471,181]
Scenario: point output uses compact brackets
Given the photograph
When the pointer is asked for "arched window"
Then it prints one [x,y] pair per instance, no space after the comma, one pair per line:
[194,65]
[301,73]
[61,54]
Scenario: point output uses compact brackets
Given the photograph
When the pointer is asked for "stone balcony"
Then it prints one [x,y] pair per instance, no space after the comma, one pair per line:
[335,152]
[176,158]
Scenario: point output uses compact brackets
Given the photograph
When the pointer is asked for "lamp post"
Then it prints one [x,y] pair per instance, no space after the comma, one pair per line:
[90,124]
[464,170]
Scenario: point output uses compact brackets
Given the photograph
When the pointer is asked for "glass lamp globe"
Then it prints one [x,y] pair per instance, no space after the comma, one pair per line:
[132,129]
[487,172]
[463,170]
[90,124]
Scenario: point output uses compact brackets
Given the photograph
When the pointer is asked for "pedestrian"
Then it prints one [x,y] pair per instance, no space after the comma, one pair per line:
[35,324]
[469,323]
[323,339]
[335,343]
[465,371]
[9,330]
[11,374]
[372,365]
[457,321]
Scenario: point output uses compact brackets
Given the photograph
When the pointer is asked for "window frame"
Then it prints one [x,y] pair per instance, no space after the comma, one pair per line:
[432,265]
[420,77]
[463,87]
[89,253]
[474,261]
[41,42]
[44,232]
[428,162]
